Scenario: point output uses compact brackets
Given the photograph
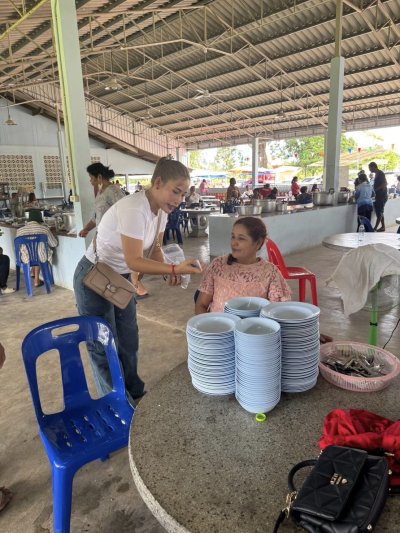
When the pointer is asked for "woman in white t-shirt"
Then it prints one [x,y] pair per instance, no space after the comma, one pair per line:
[126,231]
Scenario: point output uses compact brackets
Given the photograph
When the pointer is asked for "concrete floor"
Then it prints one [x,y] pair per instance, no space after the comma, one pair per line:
[104,497]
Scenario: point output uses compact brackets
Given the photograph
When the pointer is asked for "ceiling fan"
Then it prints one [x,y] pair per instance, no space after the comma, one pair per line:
[205,93]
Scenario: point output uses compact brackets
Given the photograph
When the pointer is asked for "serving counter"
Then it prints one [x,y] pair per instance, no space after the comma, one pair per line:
[299,230]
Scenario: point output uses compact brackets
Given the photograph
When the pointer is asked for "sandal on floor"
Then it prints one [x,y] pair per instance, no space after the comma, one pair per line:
[40,283]
[5,497]
[141,296]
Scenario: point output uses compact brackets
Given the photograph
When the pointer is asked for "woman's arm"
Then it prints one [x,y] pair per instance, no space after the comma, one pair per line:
[202,303]
[89,226]
[157,254]
[133,252]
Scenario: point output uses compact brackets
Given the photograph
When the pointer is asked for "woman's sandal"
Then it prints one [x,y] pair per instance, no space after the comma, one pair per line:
[39,284]
[5,497]
[141,296]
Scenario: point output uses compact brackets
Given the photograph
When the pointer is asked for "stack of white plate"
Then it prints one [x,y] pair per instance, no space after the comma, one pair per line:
[300,343]
[211,352]
[245,306]
[258,364]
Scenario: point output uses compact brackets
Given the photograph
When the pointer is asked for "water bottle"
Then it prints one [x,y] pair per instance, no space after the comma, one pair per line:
[361,232]
[173,255]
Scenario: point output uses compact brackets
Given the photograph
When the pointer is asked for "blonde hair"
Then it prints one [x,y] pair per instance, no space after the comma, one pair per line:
[168,169]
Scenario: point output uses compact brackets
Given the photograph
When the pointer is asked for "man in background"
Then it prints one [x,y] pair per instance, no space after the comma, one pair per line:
[4,273]
[381,195]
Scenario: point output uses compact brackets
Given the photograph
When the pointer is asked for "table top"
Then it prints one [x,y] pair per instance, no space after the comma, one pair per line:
[199,211]
[203,463]
[348,241]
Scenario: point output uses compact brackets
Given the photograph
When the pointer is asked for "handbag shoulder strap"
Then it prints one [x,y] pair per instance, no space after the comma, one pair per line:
[293,491]
[149,254]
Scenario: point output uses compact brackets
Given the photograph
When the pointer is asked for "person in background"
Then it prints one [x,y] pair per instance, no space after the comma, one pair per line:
[232,192]
[247,194]
[139,188]
[314,188]
[274,194]
[364,195]
[381,195]
[203,189]
[241,273]
[295,187]
[398,186]
[127,230]
[32,201]
[4,273]
[265,192]
[358,180]
[304,197]
[5,494]
[35,226]
[193,197]
[117,183]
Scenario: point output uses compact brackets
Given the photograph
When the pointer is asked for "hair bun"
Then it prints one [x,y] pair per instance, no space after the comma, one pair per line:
[110,173]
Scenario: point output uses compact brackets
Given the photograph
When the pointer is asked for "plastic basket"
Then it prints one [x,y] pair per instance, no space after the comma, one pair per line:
[359,384]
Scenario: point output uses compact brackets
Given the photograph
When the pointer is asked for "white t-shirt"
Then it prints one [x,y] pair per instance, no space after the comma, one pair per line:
[132,217]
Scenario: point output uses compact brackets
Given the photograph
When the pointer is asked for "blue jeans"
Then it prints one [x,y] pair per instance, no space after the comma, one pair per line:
[124,327]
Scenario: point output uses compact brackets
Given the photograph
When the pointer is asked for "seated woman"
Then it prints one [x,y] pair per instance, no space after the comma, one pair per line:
[304,197]
[241,273]
[193,197]
[32,202]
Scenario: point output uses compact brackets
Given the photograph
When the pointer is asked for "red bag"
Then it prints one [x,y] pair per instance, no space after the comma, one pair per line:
[361,429]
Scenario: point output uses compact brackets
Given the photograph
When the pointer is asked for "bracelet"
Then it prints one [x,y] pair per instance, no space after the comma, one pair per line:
[173,271]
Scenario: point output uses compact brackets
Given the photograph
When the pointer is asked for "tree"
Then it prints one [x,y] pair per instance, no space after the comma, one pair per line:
[196,160]
[225,159]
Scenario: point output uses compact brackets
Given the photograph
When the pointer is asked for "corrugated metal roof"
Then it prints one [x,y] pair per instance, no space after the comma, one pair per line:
[257,67]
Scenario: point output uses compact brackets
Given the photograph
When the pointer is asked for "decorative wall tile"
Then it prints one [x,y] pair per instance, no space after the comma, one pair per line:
[17,170]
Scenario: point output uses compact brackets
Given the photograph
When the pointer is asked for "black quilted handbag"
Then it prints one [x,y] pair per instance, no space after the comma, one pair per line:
[344,493]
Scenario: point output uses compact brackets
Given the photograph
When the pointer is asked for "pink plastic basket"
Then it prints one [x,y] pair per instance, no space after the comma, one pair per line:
[359,384]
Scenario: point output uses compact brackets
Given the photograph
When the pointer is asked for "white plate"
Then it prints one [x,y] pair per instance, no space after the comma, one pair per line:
[291,311]
[213,322]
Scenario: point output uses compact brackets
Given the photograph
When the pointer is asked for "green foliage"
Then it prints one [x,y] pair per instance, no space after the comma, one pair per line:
[197,160]
[392,160]
[226,159]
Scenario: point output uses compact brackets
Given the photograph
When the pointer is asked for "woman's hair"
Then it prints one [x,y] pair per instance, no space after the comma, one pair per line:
[167,169]
[255,228]
[295,178]
[314,187]
[303,189]
[96,169]
[31,197]
[362,178]
[232,181]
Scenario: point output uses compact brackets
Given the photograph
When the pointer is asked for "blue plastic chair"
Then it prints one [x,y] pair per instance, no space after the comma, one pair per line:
[173,224]
[87,429]
[31,243]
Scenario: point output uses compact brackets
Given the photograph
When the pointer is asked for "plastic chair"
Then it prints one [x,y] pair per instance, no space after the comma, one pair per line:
[173,224]
[366,223]
[87,429]
[31,243]
[300,273]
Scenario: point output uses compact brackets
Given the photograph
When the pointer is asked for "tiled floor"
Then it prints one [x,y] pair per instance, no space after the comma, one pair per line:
[105,499]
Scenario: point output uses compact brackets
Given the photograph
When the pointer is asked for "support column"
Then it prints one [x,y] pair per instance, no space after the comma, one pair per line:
[66,42]
[332,151]
[177,154]
[254,162]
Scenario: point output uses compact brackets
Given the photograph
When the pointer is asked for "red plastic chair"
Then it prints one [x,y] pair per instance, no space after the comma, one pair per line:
[300,273]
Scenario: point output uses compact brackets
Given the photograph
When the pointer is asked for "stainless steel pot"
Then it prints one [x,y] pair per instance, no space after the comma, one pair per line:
[249,210]
[68,221]
[268,206]
[282,207]
[343,197]
[323,198]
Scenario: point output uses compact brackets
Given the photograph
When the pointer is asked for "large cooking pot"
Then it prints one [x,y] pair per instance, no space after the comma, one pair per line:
[343,197]
[323,198]
[268,206]
[68,220]
[282,207]
[248,210]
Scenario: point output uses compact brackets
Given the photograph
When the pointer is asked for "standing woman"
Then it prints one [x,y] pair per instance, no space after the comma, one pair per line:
[295,187]
[126,231]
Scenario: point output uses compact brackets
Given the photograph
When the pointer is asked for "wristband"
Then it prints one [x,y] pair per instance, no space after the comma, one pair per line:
[173,271]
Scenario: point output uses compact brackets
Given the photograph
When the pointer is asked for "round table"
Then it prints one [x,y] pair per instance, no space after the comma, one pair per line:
[348,241]
[203,464]
[199,221]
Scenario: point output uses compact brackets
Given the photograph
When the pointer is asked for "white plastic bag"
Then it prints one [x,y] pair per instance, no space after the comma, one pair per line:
[174,255]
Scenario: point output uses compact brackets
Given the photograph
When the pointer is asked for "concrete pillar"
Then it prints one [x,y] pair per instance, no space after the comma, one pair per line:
[332,145]
[66,42]
[254,162]
[178,155]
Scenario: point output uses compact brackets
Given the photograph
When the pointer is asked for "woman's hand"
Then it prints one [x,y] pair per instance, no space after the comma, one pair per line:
[83,233]
[189,266]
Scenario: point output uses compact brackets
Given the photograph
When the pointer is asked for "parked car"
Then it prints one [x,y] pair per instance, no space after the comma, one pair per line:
[311,181]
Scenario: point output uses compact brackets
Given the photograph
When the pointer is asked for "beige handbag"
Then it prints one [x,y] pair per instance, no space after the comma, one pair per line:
[103,280]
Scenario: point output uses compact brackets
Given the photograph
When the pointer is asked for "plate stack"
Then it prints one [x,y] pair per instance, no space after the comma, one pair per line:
[245,306]
[258,364]
[211,355]
[299,323]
